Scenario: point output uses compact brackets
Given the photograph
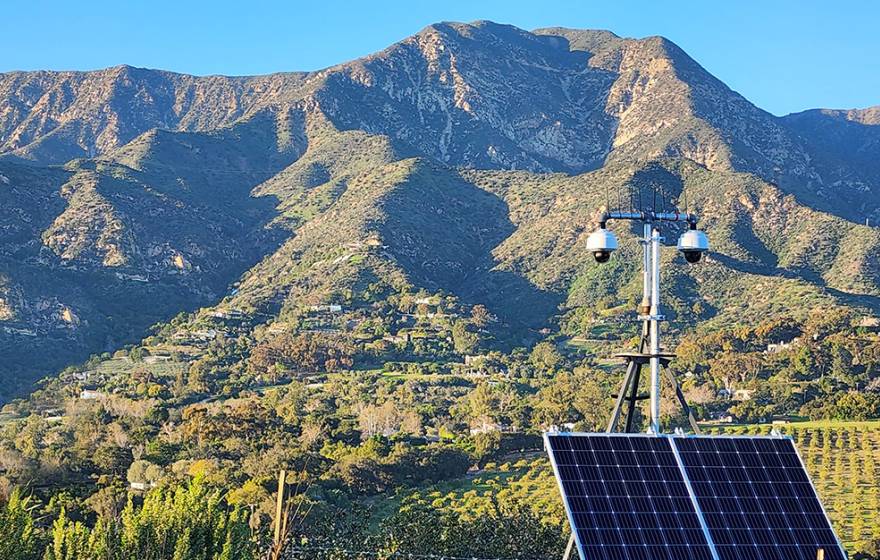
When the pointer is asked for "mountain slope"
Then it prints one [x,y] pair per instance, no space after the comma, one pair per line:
[479,95]
[468,160]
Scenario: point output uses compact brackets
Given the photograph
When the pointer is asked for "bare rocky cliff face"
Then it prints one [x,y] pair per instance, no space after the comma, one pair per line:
[131,194]
[478,95]
[52,117]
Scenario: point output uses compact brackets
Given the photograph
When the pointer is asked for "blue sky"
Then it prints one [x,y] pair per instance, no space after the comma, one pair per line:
[783,55]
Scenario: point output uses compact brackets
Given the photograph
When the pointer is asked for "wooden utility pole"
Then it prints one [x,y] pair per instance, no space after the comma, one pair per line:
[279,507]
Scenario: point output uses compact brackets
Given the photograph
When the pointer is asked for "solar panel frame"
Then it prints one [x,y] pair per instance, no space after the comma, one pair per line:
[744,479]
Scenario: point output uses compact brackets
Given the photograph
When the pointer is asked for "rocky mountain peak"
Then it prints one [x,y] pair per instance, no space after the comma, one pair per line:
[468,159]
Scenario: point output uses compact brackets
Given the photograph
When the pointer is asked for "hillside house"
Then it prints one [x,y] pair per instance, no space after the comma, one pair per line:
[158,358]
[21,332]
[776,348]
[228,314]
[486,428]
[471,360]
[132,277]
[330,308]
[322,330]
[400,338]
[722,418]
[870,324]
[277,328]
[480,366]
[203,335]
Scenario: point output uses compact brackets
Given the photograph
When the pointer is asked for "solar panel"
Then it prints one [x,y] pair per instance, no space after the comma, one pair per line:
[643,497]
[756,498]
[626,498]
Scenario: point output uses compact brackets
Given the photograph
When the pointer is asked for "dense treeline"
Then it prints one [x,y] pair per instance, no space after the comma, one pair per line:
[822,367]
[194,522]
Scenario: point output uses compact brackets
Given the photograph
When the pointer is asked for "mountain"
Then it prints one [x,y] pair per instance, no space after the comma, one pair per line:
[468,160]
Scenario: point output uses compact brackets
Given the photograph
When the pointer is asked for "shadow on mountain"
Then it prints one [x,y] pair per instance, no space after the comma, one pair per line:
[855,300]
[844,152]
[442,230]
[651,188]
[164,225]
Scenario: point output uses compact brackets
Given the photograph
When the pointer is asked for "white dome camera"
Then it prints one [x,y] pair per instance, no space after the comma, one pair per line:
[602,243]
[693,243]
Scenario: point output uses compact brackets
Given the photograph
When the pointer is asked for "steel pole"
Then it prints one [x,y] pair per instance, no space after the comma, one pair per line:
[655,330]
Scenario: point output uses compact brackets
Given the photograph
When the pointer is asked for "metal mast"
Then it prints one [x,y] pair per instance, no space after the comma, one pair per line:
[693,243]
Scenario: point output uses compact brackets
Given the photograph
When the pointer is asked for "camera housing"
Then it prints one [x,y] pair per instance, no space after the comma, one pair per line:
[602,243]
[693,243]
[602,256]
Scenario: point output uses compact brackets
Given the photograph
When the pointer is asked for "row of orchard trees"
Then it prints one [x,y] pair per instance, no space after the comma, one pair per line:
[186,523]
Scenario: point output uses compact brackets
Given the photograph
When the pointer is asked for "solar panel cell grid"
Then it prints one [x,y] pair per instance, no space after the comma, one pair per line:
[628,499]
[756,498]
[643,497]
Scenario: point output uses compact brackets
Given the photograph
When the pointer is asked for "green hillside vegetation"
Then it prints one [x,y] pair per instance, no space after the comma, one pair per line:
[374,411]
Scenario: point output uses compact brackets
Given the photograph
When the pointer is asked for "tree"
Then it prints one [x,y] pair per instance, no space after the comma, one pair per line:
[198,375]
[379,420]
[303,352]
[184,523]
[18,537]
[510,529]
[463,339]
[570,397]
[855,406]
[480,316]
[360,475]
[545,357]
[108,502]
[70,540]
[144,472]
[486,446]
[30,438]
[489,403]
[112,458]
[136,354]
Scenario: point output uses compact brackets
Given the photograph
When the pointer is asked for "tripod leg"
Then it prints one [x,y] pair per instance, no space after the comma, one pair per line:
[684,405]
[569,547]
[633,398]
[621,396]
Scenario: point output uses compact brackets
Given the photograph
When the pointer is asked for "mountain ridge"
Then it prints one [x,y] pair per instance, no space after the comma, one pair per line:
[467,159]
